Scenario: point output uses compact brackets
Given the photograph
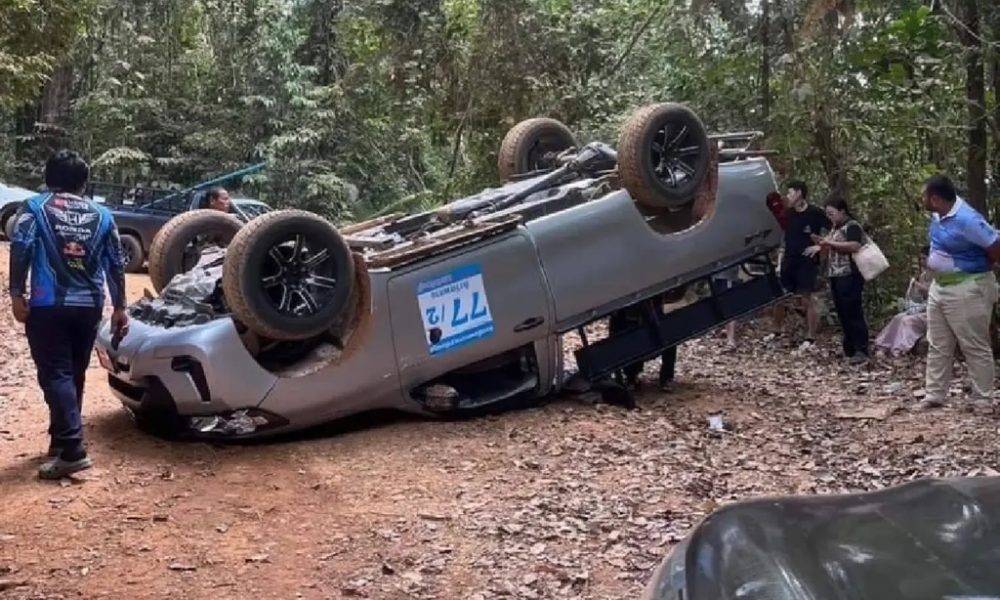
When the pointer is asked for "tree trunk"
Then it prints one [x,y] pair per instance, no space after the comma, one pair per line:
[765,65]
[994,190]
[975,90]
[787,35]
[829,156]
[56,96]
[824,127]
[319,49]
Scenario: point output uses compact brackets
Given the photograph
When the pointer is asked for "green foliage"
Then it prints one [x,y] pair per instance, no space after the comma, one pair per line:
[35,36]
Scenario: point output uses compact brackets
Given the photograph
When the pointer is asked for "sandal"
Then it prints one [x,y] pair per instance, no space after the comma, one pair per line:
[58,468]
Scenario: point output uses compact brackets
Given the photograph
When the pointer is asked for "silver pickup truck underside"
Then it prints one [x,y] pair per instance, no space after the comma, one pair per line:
[474,296]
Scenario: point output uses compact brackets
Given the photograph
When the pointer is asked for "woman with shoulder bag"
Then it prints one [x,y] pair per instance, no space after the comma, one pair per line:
[846,283]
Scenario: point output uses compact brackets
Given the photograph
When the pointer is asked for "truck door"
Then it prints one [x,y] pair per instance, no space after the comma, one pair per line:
[467,307]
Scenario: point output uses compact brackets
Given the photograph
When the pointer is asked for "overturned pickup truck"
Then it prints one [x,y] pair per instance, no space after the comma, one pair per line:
[458,309]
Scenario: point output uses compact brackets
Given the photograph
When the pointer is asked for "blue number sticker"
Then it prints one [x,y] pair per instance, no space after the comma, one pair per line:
[455,309]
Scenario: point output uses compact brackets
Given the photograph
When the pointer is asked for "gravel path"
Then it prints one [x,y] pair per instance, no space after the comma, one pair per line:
[569,500]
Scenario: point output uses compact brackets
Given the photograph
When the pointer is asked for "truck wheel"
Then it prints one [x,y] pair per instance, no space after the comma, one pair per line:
[9,221]
[288,275]
[178,244]
[132,253]
[663,155]
[532,145]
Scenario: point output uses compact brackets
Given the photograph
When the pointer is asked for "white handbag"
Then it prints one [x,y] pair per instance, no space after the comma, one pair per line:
[870,260]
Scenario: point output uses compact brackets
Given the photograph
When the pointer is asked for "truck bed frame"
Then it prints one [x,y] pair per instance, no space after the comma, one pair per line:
[659,331]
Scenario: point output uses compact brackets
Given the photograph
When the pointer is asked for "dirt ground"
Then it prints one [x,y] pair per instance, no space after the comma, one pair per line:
[568,500]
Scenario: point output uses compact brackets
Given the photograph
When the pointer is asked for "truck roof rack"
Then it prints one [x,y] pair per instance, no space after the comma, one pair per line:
[738,145]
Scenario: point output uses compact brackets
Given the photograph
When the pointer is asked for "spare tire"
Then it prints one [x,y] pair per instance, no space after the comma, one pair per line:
[288,275]
[177,246]
[532,145]
[663,155]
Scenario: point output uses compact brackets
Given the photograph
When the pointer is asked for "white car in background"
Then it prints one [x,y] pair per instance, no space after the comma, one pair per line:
[11,197]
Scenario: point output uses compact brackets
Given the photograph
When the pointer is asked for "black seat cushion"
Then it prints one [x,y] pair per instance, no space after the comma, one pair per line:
[928,540]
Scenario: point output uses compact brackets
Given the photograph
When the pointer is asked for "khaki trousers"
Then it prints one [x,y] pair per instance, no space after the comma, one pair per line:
[960,314]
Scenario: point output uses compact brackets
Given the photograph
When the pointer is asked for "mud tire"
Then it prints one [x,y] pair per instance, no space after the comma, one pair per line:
[169,253]
[132,253]
[250,261]
[522,148]
[640,150]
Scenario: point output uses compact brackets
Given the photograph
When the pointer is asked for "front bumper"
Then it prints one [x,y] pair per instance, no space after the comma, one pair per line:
[180,379]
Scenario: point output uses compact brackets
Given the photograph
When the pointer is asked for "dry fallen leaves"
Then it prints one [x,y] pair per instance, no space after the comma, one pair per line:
[573,500]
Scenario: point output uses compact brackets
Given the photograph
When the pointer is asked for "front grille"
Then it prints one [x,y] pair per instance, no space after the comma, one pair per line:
[132,392]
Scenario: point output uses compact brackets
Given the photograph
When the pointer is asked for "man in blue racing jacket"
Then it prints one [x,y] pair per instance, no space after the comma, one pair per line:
[70,246]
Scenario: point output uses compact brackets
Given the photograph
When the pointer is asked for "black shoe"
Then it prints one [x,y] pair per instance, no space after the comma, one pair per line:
[859,358]
[73,454]
[57,468]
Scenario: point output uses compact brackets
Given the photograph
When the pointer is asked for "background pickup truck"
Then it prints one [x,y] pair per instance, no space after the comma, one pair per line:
[138,225]
[140,212]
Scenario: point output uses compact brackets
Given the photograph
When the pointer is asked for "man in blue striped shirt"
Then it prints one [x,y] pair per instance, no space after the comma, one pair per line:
[70,246]
[963,249]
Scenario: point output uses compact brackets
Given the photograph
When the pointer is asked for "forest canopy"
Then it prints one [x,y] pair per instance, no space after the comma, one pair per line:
[365,107]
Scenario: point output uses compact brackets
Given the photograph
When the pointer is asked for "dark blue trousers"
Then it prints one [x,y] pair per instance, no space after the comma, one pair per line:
[61,339]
